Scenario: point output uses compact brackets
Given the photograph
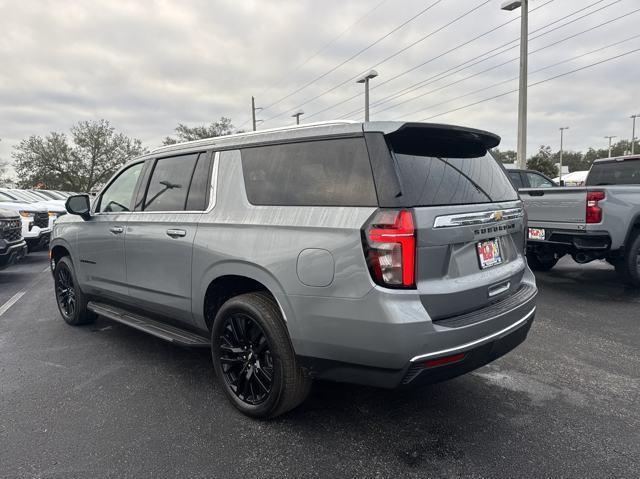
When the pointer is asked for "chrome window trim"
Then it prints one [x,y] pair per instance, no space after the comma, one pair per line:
[213,190]
[480,218]
[477,342]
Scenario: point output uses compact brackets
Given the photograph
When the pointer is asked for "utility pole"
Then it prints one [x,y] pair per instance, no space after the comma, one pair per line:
[365,79]
[633,133]
[522,89]
[610,137]
[254,109]
[297,115]
[561,146]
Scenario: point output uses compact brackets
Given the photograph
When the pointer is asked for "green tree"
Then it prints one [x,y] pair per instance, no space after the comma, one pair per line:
[543,162]
[87,159]
[187,133]
[575,160]
[506,156]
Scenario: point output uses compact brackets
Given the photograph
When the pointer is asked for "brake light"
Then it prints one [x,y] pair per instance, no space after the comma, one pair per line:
[432,363]
[594,212]
[390,248]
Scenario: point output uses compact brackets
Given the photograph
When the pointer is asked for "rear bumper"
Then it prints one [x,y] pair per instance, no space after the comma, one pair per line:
[11,253]
[572,241]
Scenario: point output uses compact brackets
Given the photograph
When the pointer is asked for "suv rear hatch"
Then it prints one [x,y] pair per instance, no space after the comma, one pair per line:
[467,216]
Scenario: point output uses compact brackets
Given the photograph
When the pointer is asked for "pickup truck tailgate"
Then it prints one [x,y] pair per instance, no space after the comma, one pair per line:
[555,205]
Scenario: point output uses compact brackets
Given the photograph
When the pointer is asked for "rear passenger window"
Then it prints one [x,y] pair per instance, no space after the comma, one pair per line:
[317,173]
[198,192]
[169,183]
[516,179]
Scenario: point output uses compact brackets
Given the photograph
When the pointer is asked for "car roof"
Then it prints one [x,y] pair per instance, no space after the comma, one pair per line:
[321,130]
[617,158]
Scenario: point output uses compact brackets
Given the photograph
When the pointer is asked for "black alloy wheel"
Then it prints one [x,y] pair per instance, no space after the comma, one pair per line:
[245,356]
[66,293]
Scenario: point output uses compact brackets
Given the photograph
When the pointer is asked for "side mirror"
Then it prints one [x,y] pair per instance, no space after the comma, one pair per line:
[79,205]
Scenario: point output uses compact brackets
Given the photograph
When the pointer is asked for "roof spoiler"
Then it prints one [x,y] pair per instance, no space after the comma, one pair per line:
[441,140]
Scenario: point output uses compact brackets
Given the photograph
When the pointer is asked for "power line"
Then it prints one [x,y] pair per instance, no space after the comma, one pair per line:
[478,59]
[567,60]
[359,52]
[387,58]
[504,63]
[532,84]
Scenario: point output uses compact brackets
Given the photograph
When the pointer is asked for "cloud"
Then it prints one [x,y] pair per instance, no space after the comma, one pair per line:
[146,66]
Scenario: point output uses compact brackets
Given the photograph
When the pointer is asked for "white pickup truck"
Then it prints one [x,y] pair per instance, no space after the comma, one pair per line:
[598,221]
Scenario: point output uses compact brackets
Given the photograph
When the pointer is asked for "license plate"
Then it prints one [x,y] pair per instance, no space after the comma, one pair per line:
[536,234]
[489,253]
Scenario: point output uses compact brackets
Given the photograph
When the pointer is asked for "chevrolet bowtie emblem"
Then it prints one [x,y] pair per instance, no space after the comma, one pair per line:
[497,216]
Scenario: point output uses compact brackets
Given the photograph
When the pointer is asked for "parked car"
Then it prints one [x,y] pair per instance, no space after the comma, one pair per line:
[530,179]
[35,220]
[598,221]
[389,254]
[55,208]
[12,245]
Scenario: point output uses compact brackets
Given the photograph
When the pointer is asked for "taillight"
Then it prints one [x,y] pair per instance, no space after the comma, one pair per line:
[594,212]
[390,248]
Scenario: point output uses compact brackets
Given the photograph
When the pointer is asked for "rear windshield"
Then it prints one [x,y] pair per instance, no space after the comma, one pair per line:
[436,180]
[615,173]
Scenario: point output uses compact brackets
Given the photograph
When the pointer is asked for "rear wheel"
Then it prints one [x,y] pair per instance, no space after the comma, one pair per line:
[629,267]
[72,303]
[254,359]
[540,262]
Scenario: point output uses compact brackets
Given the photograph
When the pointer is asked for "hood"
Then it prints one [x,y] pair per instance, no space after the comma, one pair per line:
[8,215]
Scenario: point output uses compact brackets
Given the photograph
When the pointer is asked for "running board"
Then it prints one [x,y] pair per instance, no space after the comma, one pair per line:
[150,326]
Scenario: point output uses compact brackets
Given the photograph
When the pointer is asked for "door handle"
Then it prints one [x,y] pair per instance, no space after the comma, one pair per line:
[176,233]
[116,230]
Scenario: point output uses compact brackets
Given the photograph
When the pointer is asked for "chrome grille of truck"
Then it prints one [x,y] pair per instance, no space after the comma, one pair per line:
[11,230]
[41,220]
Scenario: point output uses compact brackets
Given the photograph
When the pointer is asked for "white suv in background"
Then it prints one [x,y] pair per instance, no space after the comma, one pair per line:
[36,228]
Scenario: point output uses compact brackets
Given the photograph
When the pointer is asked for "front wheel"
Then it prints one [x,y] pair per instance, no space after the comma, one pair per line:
[629,267]
[538,262]
[254,359]
[72,303]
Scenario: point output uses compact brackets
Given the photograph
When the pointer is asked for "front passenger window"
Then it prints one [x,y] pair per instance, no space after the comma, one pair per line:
[117,197]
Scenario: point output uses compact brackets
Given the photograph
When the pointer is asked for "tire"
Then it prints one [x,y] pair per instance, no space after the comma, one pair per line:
[253,357]
[71,301]
[538,263]
[629,267]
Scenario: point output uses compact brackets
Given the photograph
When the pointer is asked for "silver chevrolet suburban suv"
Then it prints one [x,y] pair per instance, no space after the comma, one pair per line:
[386,253]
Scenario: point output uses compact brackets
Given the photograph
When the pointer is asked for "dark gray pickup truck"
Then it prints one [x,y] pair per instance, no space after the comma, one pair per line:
[598,221]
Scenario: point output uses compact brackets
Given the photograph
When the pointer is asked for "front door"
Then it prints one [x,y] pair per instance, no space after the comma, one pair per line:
[101,249]
[160,234]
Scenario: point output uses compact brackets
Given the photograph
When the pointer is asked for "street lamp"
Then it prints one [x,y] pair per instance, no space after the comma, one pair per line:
[633,133]
[365,79]
[522,89]
[297,115]
[610,137]
[561,141]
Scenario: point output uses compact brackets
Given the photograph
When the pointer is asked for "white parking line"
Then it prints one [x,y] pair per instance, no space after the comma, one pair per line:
[12,300]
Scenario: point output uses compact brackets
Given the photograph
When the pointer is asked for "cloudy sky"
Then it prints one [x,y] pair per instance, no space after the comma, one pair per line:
[148,65]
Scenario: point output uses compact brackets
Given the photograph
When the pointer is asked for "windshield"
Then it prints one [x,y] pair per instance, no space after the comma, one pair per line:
[6,198]
[625,172]
[24,196]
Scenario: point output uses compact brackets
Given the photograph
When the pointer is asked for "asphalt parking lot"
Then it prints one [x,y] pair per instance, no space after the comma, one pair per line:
[107,401]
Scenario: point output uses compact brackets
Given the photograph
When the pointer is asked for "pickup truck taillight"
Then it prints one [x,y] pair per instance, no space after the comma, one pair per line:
[594,212]
[390,248]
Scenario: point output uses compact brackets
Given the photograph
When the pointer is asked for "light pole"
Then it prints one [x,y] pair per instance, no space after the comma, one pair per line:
[254,109]
[365,79]
[297,115]
[610,137]
[561,145]
[522,89]
[633,133]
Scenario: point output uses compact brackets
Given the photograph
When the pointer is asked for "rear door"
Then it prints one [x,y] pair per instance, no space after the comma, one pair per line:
[469,222]
[160,233]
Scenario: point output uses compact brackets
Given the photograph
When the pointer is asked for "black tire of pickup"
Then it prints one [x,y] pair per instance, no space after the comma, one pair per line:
[537,263]
[289,385]
[71,301]
[629,267]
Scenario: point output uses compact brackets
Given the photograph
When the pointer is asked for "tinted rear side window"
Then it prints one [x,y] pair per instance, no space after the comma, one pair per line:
[434,181]
[198,192]
[516,179]
[318,173]
[615,173]
[169,183]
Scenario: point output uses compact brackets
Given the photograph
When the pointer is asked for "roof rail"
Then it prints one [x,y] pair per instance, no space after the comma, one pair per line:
[209,141]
